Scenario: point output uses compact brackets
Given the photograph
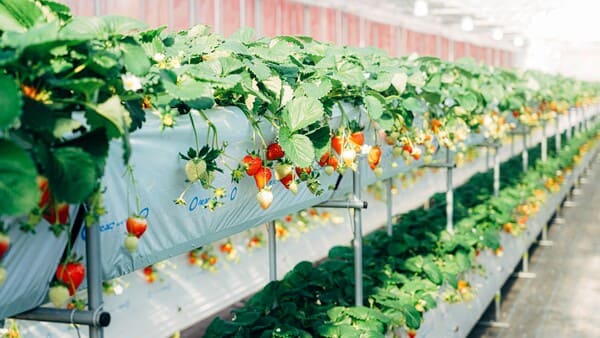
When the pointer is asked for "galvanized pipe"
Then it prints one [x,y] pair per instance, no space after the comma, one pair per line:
[272,242]
[94,275]
[449,194]
[44,314]
[388,201]
[357,242]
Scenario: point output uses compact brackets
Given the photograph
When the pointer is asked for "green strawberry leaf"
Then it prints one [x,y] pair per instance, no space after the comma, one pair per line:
[373,106]
[71,174]
[18,189]
[10,101]
[298,148]
[301,112]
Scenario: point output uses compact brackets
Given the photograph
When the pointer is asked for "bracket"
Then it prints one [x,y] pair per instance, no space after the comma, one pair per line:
[496,322]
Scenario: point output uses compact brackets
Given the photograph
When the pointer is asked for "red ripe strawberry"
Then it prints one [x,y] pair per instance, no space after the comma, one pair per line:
[337,143]
[148,270]
[412,334]
[287,180]
[226,248]
[274,152]
[333,162]
[71,274]
[435,125]
[42,183]
[303,171]
[4,244]
[57,213]
[374,157]
[358,138]
[136,226]
[252,164]
[408,148]
[324,158]
[262,177]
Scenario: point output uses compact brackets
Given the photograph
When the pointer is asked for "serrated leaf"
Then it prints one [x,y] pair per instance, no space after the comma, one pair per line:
[18,190]
[462,260]
[110,115]
[72,174]
[135,59]
[350,74]
[414,105]
[196,94]
[10,101]
[417,79]
[314,90]
[320,137]
[433,273]
[467,101]
[382,83]
[414,264]
[63,126]
[298,148]
[19,15]
[373,106]
[301,112]
[86,86]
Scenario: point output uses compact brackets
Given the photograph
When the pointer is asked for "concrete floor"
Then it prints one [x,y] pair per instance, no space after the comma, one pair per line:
[564,298]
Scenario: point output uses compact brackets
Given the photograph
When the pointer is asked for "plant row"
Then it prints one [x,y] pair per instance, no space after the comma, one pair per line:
[72,84]
[406,274]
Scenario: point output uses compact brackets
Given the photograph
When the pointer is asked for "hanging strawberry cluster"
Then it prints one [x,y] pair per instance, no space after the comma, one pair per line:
[68,277]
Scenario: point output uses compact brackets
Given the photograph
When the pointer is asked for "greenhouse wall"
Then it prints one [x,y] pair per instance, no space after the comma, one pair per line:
[286,17]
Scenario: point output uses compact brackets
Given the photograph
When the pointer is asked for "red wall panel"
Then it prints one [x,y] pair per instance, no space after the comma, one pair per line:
[82,7]
[459,50]
[444,49]
[230,16]
[353,30]
[205,12]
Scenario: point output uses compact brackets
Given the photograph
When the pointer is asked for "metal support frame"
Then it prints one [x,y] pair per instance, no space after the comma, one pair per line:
[496,322]
[449,193]
[272,243]
[388,202]
[357,240]
[94,317]
[524,273]
[569,124]
[544,143]
[351,203]
[496,173]
[525,153]
[449,165]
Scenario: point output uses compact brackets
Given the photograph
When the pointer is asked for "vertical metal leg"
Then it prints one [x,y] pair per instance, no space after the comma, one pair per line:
[496,173]
[524,273]
[357,242]
[487,158]
[449,194]
[272,242]
[525,154]
[497,313]
[558,218]
[94,275]
[545,241]
[388,201]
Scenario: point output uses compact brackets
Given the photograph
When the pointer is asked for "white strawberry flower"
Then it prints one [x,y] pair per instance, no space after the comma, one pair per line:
[365,149]
[131,82]
[159,57]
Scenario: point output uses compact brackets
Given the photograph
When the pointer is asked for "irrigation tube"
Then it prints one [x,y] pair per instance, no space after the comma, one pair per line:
[357,242]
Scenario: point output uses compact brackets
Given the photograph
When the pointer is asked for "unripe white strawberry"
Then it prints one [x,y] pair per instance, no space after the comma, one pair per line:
[397,152]
[293,187]
[348,156]
[131,243]
[194,169]
[282,170]
[329,170]
[378,171]
[265,198]
[58,294]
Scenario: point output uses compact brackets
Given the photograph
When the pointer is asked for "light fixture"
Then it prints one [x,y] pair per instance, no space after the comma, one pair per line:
[497,34]
[467,24]
[518,41]
[421,8]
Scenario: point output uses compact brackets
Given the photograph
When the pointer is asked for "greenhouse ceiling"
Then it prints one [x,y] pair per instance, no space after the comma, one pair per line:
[511,21]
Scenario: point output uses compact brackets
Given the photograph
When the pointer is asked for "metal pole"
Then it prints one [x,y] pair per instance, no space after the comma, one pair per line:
[53,315]
[496,173]
[449,194]
[525,153]
[525,267]
[388,201]
[487,158]
[272,239]
[357,242]
[94,275]
[558,135]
